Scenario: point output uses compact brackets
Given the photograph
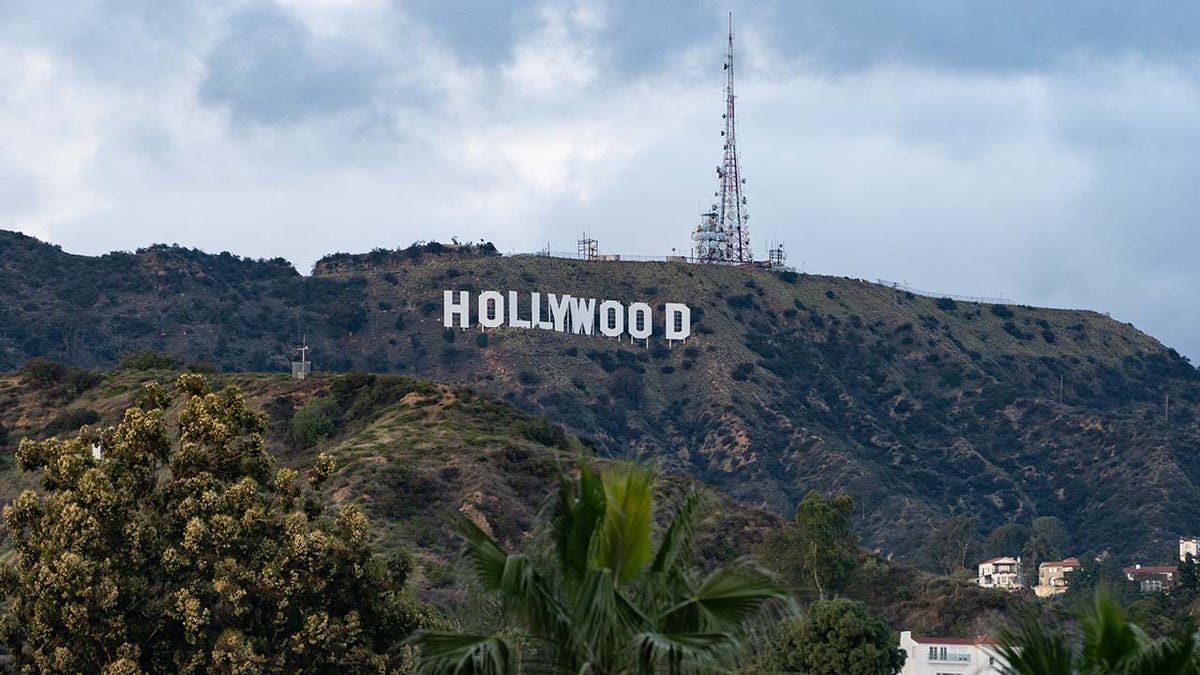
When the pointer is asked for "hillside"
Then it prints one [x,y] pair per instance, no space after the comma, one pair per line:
[416,454]
[919,408]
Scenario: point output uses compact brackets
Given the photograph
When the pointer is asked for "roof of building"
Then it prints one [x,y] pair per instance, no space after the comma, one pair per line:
[1151,569]
[977,640]
[1003,559]
[1069,562]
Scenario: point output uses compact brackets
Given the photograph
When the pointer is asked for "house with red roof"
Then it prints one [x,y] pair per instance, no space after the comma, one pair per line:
[1151,578]
[1003,572]
[1052,576]
[950,656]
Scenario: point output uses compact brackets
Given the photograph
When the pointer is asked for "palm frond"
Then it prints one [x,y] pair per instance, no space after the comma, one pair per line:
[726,599]
[680,653]
[675,548]
[516,579]
[602,619]
[577,522]
[454,654]
[1030,648]
[1108,639]
[1178,654]
[625,544]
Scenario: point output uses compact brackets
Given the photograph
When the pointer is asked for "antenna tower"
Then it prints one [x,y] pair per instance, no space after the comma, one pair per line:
[723,235]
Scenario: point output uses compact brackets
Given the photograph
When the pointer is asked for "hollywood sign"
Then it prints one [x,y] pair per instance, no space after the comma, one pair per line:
[564,314]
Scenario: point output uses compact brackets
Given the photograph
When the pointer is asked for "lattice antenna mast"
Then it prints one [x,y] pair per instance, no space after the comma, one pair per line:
[723,235]
[733,215]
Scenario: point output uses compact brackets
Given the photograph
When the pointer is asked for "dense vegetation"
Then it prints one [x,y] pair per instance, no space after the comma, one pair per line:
[196,555]
[919,410]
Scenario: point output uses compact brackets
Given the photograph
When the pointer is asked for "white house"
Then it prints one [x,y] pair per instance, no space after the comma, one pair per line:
[950,656]
[1189,546]
[1002,572]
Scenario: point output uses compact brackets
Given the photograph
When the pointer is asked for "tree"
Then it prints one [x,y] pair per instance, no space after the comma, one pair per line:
[1111,645]
[948,546]
[1007,540]
[825,543]
[608,601]
[1048,539]
[192,554]
[836,636]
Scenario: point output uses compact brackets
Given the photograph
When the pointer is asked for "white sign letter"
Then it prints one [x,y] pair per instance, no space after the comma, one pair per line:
[460,309]
[558,310]
[639,320]
[491,309]
[679,321]
[512,312]
[612,318]
[583,315]
[535,318]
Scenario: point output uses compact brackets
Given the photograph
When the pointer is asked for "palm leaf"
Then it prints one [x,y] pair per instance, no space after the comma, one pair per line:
[520,587]
[453,654]
[1108,639]
[625,544]
[686,652]
[675,548]
[1031,649]
[577,521]
[726,599]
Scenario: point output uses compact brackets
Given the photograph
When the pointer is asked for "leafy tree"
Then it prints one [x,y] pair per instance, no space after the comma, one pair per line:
[312,422]
[1111,645]
[608,601]
[1189,575]
[1097,572]
[1048,540]
[836,636]
[948,546]
[1008,539]
[192,554]
[148,359]
[826,546]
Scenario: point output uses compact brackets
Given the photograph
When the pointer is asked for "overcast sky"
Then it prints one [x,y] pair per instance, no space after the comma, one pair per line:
[1043,151]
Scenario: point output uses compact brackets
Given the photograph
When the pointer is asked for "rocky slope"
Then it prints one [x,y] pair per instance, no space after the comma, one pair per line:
[919,408]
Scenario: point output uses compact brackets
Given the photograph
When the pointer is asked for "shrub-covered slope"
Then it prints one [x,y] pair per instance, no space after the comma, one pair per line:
[919,408]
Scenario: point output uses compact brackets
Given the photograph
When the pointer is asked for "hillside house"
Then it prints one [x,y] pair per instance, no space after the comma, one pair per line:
[1189,546]
[1151,578]
[1052,576]
[950,656]
[1001,572]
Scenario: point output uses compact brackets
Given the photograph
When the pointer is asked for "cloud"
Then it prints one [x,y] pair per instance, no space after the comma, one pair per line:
[1027,150]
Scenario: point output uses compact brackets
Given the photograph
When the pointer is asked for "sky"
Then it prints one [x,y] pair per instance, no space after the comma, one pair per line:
[1043,152]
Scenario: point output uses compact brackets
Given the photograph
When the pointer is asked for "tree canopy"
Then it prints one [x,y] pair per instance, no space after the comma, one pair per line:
[147,551]
[835,636]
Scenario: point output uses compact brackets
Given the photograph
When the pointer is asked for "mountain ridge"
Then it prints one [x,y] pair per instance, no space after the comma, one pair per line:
[919,408]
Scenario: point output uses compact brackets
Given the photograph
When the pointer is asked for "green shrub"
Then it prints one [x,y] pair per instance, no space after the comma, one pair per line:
[742,371]
[540,430]
[448,335]
[71,419]
[947,304]
[481,339]
[527,378]
[313,422]
[148,359]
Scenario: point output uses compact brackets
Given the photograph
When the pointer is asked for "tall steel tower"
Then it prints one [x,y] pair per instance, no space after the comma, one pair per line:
[723,235]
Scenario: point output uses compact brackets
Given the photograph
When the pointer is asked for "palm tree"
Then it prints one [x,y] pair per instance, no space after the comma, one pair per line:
[1111,645]
[609,602]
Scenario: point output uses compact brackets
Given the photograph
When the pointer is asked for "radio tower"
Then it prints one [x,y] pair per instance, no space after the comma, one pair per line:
[723,235]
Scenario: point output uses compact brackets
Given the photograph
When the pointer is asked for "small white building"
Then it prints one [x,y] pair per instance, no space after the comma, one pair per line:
[1052,576]
[1001,572]
[950,656]
[1189,546]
